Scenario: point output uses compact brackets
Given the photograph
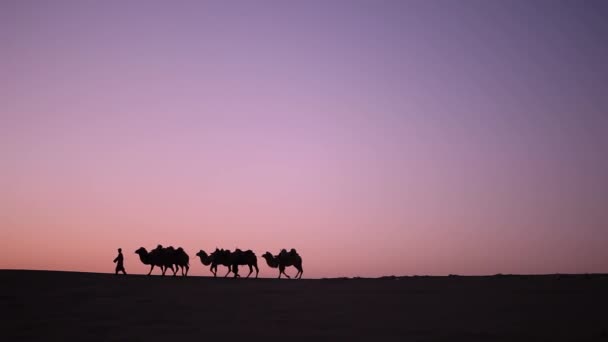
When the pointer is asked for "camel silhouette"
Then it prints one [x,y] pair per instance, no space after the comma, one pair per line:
[283,260]
[231,260]
[236,258]
[208,260]
[165,258]
[179,258]
[218,257]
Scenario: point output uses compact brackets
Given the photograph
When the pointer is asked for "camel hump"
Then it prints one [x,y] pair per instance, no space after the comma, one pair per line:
[293,251]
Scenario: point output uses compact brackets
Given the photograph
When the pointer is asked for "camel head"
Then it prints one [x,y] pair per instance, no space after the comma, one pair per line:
[141,251]
[270,260]
[144,256]
[205,259]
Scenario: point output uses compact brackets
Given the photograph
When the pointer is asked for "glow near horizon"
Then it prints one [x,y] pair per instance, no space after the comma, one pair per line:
[404,137]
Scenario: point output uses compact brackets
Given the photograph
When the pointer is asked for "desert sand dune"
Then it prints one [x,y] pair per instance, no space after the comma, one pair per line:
[45,305]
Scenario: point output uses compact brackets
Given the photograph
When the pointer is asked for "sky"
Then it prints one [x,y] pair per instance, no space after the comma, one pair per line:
[374,137]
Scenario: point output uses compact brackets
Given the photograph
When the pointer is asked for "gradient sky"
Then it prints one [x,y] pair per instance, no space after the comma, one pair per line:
[375,137]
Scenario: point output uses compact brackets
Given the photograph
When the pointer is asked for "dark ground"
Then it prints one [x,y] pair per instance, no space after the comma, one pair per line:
[43,306]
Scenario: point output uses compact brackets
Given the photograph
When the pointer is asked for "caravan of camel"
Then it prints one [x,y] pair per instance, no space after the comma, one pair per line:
[176,259]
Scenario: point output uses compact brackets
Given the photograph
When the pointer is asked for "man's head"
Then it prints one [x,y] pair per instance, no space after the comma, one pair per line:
[120,250]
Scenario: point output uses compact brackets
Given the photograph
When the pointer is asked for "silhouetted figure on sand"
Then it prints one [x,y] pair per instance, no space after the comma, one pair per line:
[283,260]
[120,267]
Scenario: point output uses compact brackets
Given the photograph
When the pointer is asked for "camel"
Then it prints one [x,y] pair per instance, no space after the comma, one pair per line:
[236,258]
[209,260]
[283,260]
[229,259]
[179,258]
[156,257]
[166,258]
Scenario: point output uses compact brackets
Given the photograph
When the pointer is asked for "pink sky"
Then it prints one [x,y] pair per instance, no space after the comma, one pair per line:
[404,137]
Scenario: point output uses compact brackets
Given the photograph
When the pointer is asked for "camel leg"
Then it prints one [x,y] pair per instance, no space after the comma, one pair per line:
[250,271]
[176,270]
[287,275]
[187,269]
[151,268]
[227,272]
[256,270]
[282,271]
[213,270]
[297,274]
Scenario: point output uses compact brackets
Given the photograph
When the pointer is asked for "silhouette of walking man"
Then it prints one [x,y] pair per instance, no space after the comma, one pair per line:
[119,263]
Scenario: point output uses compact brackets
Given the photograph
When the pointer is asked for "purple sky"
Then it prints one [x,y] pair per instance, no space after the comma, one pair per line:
[376,137]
